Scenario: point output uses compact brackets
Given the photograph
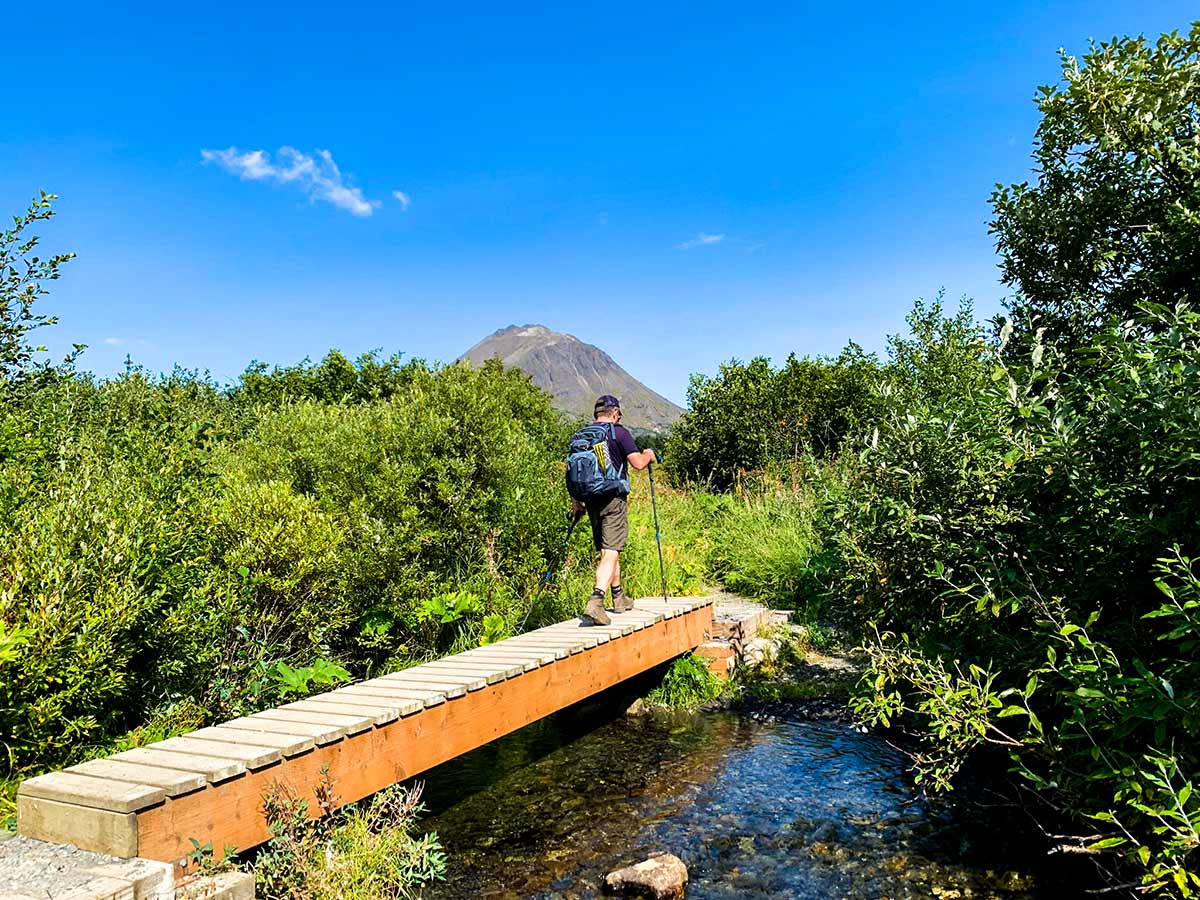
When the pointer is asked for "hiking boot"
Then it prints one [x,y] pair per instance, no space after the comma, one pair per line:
[622,603]
[594,613]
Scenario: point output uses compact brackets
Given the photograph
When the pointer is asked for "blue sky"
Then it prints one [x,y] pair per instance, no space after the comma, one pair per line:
[679,184]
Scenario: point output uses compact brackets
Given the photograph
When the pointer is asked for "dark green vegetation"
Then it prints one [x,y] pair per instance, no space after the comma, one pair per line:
[1013,520]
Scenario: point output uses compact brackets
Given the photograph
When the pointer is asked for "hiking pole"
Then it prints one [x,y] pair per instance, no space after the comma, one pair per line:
[657,536]
[549,571]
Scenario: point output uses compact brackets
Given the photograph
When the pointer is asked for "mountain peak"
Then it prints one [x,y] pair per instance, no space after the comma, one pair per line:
[574,373]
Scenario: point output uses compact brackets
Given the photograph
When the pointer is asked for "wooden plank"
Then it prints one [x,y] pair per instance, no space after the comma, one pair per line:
[528,660]
[452,664]
[493,671]
[96,793]
[648,616]
[321,734]
[213,768]
[437,680]
[303,711]
[286,744]
[541,634]
[98,830]
[373,689]
[468,663]
[615,630]
[173,781]
[366,763]
[253,757]
[562,638]
[549,644]
[384,710]
[665,609]
[591,635]
[627,624]
[430,695]
[543,654]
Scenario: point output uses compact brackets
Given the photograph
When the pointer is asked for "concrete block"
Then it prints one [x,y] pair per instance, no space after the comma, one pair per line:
[150,879]
[226,886]
[100,888]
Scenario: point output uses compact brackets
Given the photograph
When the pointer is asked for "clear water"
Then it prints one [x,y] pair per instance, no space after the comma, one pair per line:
[757,807]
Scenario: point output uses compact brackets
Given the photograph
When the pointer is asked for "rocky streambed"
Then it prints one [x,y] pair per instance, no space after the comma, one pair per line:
[776,795]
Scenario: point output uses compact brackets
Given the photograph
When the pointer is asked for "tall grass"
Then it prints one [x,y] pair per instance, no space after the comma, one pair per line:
[764,545]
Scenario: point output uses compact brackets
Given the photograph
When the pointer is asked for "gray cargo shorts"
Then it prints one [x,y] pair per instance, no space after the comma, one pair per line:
[610,522]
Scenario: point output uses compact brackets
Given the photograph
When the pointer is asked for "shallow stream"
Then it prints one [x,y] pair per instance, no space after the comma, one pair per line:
[757,806]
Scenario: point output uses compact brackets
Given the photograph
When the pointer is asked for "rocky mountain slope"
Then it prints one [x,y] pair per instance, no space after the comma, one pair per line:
[575,374]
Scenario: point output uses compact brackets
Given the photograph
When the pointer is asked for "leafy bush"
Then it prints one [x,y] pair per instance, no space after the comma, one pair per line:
[687,684]
[299,682]
[23,275]
[365,850]
[1113,220]
[1005,542]
[103,566]
[751,416]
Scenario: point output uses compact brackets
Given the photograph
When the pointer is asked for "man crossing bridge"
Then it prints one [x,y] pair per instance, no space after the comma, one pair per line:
[598,481]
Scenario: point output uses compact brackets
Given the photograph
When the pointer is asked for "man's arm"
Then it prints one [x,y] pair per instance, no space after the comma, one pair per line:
[641,459]
[637,459]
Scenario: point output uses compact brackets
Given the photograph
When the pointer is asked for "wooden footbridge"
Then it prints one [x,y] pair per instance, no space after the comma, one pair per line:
[207,786]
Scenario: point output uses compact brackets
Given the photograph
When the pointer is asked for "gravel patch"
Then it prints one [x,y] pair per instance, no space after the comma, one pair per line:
[47,870]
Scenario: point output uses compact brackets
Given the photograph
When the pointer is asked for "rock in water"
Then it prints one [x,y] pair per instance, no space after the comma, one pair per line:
[663,877]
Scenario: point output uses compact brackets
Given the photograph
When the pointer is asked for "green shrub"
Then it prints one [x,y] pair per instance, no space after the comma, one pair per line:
[688,684]
[1112,220]
[163,542]
[753,417]
[1006,542]
[366,850]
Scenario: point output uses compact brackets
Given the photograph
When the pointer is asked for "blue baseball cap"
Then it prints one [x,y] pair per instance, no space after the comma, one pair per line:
[606,401]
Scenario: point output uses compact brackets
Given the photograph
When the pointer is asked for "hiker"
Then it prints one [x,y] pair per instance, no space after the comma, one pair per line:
[598,481]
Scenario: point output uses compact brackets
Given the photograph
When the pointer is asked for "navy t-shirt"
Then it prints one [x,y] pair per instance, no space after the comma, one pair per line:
[620,445]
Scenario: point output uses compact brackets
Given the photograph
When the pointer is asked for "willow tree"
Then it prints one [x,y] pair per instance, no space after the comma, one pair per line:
[1113,218]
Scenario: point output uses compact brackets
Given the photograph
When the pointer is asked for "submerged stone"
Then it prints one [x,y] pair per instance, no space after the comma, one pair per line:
[662,877]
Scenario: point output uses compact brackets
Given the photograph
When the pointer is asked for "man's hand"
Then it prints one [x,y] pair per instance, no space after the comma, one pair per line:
[577,510]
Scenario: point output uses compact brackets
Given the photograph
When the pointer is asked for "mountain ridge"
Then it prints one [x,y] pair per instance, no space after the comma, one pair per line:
[574,373]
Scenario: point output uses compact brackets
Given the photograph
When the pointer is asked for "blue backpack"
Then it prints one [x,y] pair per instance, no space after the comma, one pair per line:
[590,473]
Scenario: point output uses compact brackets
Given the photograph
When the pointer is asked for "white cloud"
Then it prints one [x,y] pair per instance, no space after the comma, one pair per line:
[114,342]
[701,240]
[317,175]
[404,199]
